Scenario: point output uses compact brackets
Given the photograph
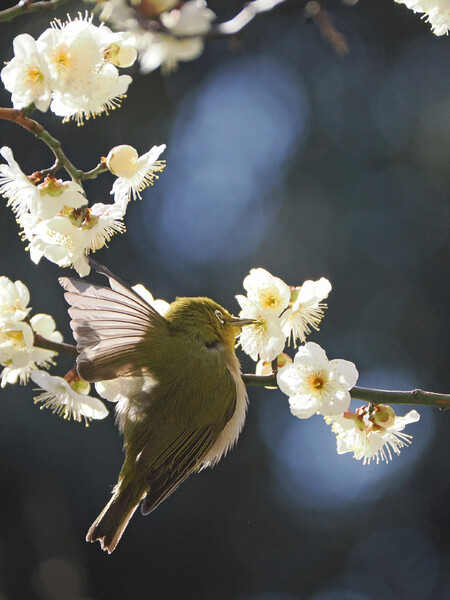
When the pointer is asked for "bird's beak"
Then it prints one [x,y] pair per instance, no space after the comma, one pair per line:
[242,322]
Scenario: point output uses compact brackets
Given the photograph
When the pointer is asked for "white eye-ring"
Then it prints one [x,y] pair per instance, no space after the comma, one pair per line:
[219,315]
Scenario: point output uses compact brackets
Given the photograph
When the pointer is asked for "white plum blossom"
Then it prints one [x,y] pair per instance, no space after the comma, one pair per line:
[81,59]
[14,299]
[20,191]
[166,51]
[270,292]
[42,201]
[166,48]
[67,239]
[18,355]
[367,437]
[61,399]
[160,306]
[316,385]
[27,76]
[120,47]
[16,338]
[306,310]
[134,173]
[20,364]
[72,67]
[101,223]
[437,13]
[60,241]
[265,338]
[192,18]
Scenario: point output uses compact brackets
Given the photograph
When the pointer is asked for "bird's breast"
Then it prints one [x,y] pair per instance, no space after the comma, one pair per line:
[229,436]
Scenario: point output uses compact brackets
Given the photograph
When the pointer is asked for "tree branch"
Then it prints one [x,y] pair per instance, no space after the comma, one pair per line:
[243,19]
[62,162]
[414,397]
[60,347]
[28,6]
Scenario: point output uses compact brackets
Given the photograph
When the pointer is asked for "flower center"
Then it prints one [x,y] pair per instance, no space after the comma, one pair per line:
[317,383]
[269,299]
[61,57]
[34,75]
[15,335]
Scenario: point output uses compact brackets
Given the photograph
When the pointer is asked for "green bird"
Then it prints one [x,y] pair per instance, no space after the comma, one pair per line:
[181,399]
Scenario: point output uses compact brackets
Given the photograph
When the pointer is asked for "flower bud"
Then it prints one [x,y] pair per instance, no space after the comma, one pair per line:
[121,56]
[264,367]
[283,359]
[121,161]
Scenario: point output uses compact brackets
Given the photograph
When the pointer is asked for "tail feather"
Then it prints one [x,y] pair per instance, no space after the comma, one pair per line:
[109,526]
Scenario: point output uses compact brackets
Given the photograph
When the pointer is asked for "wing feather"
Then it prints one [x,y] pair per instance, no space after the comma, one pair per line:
[114,327]
[168,458]
[181,458]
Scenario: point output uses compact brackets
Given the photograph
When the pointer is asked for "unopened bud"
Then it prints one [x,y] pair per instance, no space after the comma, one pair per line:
[283,360]
[121,56]
[121,161]
[264,367]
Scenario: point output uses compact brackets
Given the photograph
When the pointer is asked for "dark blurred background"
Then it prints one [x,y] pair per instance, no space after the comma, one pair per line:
[286,156]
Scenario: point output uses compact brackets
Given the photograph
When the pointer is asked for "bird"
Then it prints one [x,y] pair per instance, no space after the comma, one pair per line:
[182,402]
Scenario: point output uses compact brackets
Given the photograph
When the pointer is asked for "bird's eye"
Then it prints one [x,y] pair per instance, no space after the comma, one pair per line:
[219,315]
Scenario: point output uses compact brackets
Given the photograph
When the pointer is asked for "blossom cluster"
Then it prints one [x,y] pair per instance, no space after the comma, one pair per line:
[71,68]
[166,31]
[55,217]
[23,358]
[18,354]
[436,12]
[314,384]
[68,396]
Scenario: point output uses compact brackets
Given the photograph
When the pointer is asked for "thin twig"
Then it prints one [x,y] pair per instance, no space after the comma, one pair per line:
[92,174]
[415,397]
[28,6]
[18,116]
[243,19]
[62,162]
[60,347]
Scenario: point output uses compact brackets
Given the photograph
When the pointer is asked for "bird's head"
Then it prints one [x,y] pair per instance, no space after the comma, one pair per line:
[206,321]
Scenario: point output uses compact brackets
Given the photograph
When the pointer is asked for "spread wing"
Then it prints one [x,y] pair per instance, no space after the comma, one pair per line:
[169,457]
[113,327]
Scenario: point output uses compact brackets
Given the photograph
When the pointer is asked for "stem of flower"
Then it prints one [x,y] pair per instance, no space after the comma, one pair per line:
[415,397]
[28,6]
[41,342]
[92,174]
